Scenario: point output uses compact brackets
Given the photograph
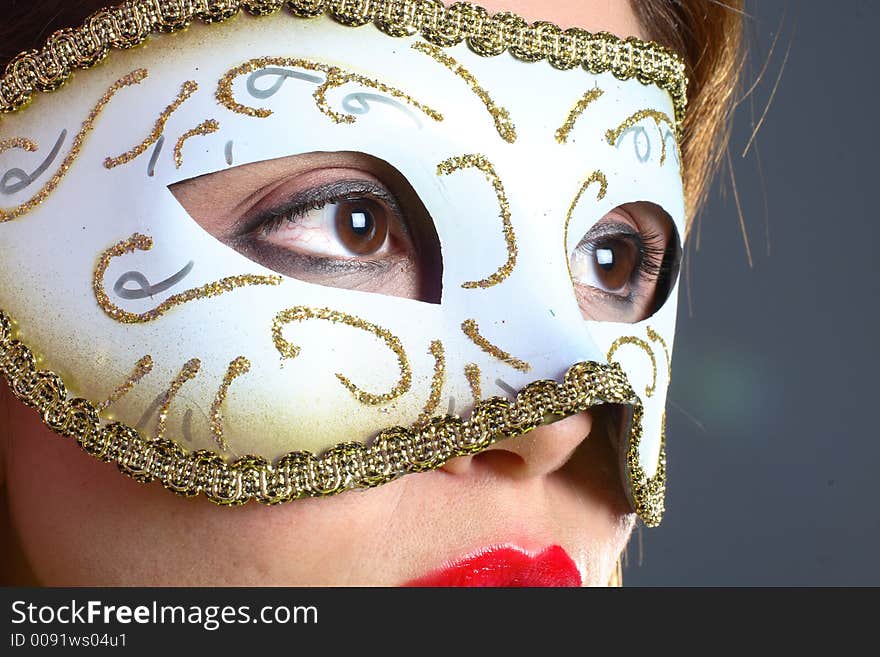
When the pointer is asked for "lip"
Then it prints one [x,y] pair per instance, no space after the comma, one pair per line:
[507,566]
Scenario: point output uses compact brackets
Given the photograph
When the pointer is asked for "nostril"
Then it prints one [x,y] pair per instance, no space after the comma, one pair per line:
[496,459]
[538,453]
[500,460]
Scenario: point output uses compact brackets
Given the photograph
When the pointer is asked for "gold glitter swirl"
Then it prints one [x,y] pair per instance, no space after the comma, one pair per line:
[653,336]
[138,242]
[500,116]
[335,77]
[237,368]
[612,135]
[8,214]
[187,89]
[472,330]
[644,346]
[595,177]
[143,367]
[394,452]
[203,128]
[436,350]
[302,313]
[18,142]
[472,374]
[480,162]
[189,371]
[575,113]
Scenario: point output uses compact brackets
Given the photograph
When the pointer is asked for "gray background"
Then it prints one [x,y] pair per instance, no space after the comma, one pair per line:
[773,477]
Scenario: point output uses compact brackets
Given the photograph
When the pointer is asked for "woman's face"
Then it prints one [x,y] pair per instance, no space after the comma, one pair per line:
[79,522]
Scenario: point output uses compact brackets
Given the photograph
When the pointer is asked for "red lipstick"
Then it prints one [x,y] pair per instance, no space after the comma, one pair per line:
[506,566]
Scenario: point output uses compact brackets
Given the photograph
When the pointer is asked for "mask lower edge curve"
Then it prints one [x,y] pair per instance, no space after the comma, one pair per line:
[394,452]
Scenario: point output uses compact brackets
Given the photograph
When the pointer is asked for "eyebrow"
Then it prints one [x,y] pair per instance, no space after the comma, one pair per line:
[613,134]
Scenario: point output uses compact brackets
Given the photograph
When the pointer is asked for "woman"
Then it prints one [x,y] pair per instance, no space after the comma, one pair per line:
[282,257]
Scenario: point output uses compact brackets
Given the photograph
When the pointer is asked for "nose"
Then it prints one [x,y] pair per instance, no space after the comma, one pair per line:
[537,453]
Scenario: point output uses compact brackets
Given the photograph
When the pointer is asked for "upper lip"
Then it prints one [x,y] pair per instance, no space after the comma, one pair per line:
[506,565]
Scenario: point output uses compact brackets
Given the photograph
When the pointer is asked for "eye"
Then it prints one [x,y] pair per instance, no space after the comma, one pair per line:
[346,221]
[336,219]
[361,225]
[609,262]
[625,266]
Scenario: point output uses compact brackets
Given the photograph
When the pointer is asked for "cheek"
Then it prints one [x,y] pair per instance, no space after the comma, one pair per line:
[80,522]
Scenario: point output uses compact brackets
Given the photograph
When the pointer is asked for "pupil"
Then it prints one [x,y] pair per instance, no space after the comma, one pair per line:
[605,258]
[361,226]
[362,222]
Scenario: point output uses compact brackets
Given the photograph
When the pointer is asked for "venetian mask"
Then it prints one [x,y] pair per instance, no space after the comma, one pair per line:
[276,256]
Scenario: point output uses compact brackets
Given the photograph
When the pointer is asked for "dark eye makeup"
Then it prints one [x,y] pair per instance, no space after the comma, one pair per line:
[625,266]
[342,220]
[341,226]
[349,220]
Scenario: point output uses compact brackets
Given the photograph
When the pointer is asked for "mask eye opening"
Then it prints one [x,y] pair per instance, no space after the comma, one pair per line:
[286,215]
[625,266]
[670,268]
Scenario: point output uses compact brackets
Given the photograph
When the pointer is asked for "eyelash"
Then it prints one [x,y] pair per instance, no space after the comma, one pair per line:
[652,251]
[314,199]
[252,231]
[290,215]
[654,264]
[653,261]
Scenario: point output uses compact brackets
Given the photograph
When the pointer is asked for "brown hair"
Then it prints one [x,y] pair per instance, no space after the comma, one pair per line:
[706,32]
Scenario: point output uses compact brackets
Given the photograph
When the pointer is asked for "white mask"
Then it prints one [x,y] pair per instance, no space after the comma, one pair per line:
[213,368]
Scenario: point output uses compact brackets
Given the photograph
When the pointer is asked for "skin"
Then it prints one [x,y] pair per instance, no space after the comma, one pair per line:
[78,522]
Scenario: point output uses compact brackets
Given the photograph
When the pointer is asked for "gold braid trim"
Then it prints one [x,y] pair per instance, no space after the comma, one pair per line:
[394,452]
[131,23]
[648,494]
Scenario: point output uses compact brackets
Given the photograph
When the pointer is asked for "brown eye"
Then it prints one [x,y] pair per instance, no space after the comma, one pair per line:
[361,225]
[614,262]
[340,219]
[608,264]
[624,267]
